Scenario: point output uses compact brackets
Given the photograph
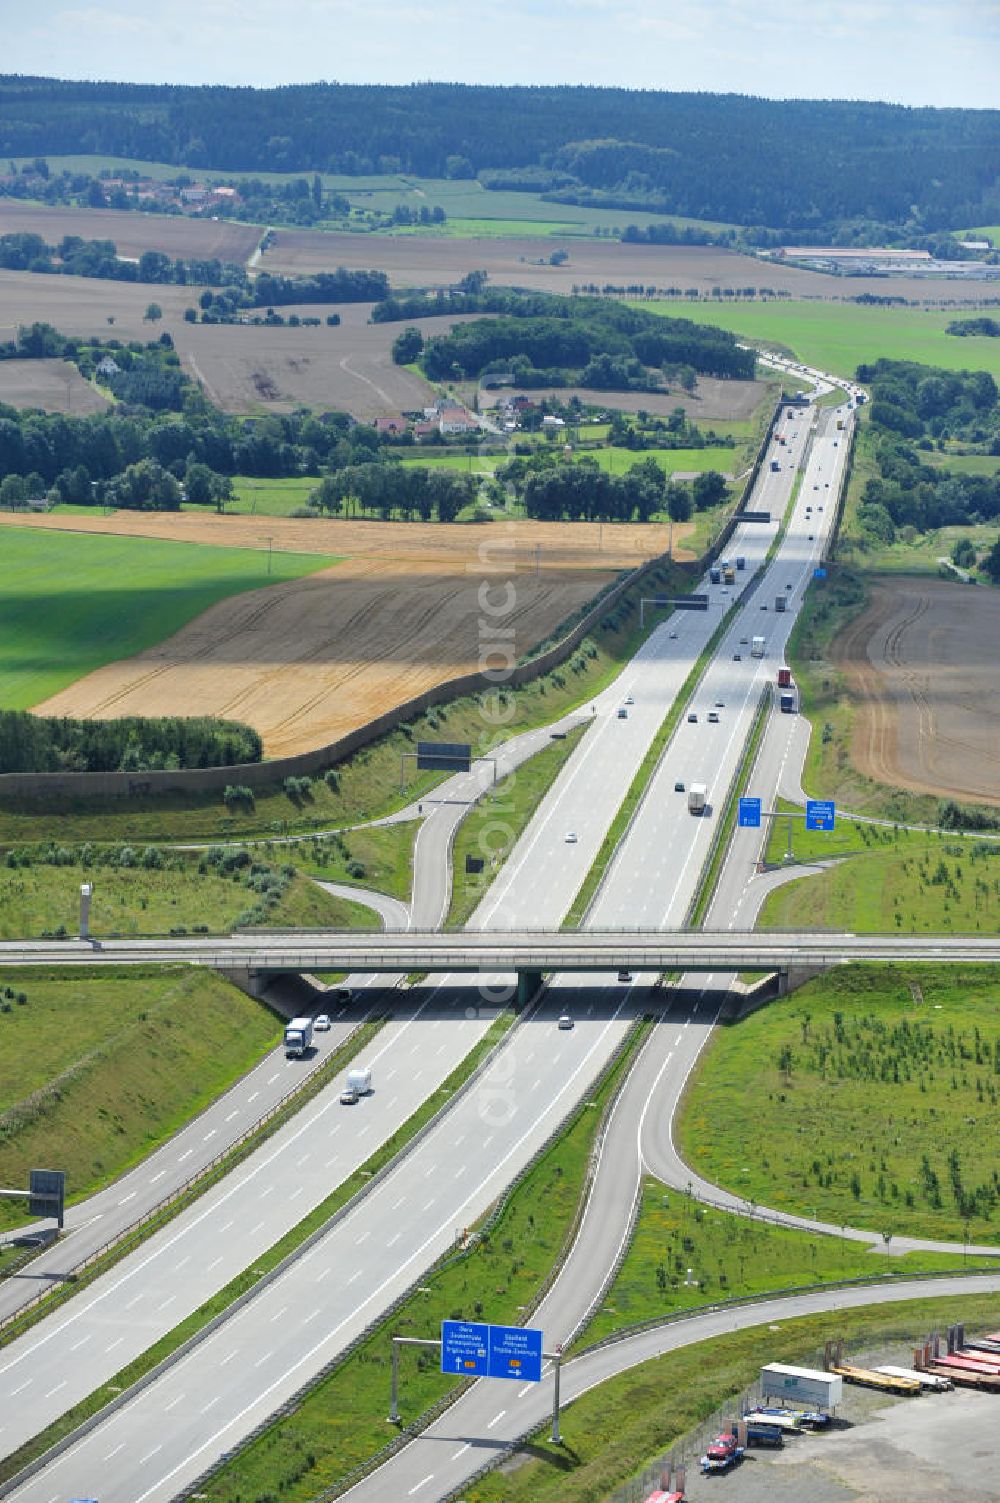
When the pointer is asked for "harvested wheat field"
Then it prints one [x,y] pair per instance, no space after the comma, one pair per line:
[52,385]
[921,659]
[134,231]
[711,398]
[306,661]
[89,306]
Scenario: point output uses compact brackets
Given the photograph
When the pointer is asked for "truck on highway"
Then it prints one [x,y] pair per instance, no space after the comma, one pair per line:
[697,798]
[788,701]
[741,562]
[775,465]
[779,602]
[757,646]
[357,1084]
[298,1038]
[729,575]
[715,575]
[784,678]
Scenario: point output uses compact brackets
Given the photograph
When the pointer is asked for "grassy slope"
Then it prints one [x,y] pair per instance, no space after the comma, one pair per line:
[385,852]
[97,1069]
[835,1110]
[895,880]
[619,1426]
[72,602]
[838,336]
[134,900]
[492,828]
[728,1256]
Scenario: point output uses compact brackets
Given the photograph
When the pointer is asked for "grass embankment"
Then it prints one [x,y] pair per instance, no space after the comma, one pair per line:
[877,1092]
[491,830]
[269,1260]
[837,337]
[342,1422]
[634,1418]
[219,1302]
[74,601]
[146,891]
[379,856]
[99,1067]
[684,1255]
[892,880]
[366,785]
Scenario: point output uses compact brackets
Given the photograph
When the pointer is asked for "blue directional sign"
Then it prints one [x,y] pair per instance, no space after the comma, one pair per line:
[465,1348]
[749,814]
[473,1349]
[821,814]
[515,1352]
[819,574]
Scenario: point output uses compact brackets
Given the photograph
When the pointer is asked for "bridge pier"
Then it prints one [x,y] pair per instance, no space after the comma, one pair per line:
[528,985]
[783,983]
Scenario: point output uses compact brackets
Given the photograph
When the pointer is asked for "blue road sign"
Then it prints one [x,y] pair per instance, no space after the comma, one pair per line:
[819,574]
[465,1347]
[750,813]
[821,814]
[515,1352]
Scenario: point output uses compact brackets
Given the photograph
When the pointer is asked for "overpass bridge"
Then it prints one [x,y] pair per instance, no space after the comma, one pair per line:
[526,953]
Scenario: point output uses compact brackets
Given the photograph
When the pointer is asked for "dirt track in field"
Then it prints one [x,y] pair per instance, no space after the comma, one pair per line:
[922,663]
[307,660]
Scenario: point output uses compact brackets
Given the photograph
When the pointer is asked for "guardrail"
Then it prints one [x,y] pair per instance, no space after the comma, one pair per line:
[310,1086]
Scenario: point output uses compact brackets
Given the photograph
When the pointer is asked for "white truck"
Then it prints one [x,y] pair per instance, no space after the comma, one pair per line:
[697,798]
[298,1038]
[358,1084]
[757,646]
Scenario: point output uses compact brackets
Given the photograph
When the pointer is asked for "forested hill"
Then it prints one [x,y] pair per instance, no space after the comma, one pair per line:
[788,164]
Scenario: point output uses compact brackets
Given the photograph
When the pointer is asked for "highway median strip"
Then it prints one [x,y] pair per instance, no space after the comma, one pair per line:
[511,1259]
[138,1374]
[723,833]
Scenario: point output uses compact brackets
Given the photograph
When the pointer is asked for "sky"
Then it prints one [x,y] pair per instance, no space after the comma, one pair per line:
[904,51]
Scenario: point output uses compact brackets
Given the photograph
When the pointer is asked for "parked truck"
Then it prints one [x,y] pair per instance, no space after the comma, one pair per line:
[298,1038]
[757,646]
[780,602]
[697,798]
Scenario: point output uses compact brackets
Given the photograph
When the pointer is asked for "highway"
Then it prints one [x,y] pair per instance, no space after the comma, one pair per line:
[308,1314]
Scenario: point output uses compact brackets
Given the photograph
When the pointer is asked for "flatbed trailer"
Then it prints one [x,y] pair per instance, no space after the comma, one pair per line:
[866,1377]
[963,1377]
[972,1363]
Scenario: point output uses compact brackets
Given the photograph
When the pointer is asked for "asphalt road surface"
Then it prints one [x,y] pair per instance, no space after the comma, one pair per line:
[307,1315]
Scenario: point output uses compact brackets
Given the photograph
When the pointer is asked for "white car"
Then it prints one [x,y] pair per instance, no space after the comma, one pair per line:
[349,1097]
[565,1022]
[321,1022]
[629,699]
[571,837]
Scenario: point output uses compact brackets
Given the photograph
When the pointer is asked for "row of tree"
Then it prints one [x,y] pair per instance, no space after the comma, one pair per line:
[42,743]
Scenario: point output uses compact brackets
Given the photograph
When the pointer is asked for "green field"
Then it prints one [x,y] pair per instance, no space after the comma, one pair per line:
[868,1098]
[139,898]
[73,601]
[897,881]
[613,459]
[96,1069]
[684,1255]
[270,498]
[838,336]
[383,852]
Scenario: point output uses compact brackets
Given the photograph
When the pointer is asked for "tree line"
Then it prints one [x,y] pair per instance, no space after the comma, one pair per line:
[44,743]
[794,165]
[913,409]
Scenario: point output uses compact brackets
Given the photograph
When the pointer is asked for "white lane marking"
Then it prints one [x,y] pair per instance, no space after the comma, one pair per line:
[428,1478]
[355,1275]
[496,1419]
[117,1342]
[210,1135]
[462,1449]
[186,1155]
[168,1301]
[115,1451]
[77,1345]
[229,1358]
[15,1391]
[173,1403]
[232,1115]
[150,1454]
[397,1203]
[521,1392]
[274,1077]
[261,1360]
[279,1314]
[157,1176]
[57,1388]
[253,1097]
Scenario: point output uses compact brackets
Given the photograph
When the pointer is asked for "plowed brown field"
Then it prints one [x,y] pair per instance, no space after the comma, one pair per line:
[134,231]
[922,661]
[308,660]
